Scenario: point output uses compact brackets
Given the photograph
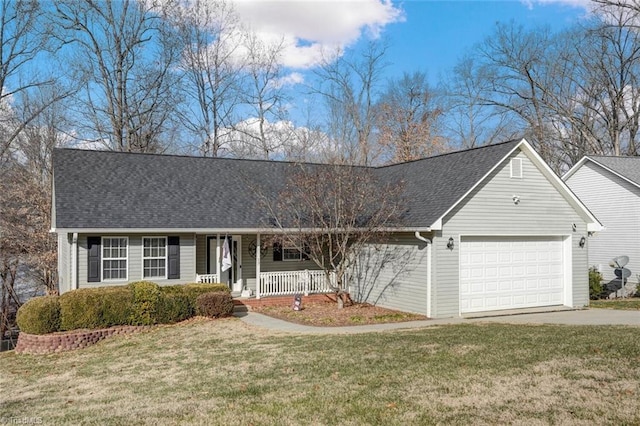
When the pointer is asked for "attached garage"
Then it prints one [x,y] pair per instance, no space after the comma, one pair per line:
[513,272]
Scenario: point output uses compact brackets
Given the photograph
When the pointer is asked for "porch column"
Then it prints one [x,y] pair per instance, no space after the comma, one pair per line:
[218,265]
[74,262]
[258,266]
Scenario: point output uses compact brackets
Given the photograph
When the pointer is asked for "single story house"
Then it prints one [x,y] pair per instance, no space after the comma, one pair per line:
[488,228]
[610,188]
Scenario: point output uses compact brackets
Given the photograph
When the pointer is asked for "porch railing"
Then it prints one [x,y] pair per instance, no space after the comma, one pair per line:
[207,278]
[295,282]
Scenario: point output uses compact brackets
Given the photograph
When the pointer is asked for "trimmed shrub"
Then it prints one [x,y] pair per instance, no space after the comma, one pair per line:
[196,289]
[176,305]
[138,303]
[96,307]
[147,303]
[214,304]
[595,284]
[40,315]
[116,306]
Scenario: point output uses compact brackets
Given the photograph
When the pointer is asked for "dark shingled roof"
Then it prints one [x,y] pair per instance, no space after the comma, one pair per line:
[628,167]
[103,189]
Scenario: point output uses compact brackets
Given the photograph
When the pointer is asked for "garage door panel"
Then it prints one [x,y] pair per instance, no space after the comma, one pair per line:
[510,272]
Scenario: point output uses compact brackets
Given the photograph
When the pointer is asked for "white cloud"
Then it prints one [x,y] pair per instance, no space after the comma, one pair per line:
[283,141]
[310,28]
[583,4]
[290,80]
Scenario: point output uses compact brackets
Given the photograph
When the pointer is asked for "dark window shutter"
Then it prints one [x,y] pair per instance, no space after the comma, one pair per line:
[173,248]
[306,252]
[93,248]
[277,252]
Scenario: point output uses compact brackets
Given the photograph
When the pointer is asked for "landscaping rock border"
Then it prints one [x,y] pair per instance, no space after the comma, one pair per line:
[69,341]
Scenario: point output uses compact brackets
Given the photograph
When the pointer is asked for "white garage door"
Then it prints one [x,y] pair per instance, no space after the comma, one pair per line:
[510,272]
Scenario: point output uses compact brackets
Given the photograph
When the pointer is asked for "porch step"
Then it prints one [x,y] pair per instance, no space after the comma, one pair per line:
[240,308]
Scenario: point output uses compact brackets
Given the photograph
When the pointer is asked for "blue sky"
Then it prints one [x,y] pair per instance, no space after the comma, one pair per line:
[435,34]
[428,36]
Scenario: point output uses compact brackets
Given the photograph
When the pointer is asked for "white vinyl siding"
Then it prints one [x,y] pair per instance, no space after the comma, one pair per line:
[114,258]
[616,204]
[154,257]
[392,275]
[490,211]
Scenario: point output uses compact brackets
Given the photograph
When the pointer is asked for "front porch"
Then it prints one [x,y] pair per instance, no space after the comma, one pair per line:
[257,269]
[280,283]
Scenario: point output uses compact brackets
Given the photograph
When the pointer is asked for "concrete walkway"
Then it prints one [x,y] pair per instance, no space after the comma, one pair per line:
[578,317]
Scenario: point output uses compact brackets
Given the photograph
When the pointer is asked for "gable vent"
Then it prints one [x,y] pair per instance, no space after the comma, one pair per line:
[516,168]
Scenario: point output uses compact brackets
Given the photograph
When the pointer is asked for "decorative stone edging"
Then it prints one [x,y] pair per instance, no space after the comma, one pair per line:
[68,341]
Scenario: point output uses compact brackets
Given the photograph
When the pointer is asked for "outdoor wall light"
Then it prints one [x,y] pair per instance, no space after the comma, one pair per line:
[516,200]
[582,242]
[450,243]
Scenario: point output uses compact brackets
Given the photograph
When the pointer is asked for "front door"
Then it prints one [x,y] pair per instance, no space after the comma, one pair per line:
[232,276]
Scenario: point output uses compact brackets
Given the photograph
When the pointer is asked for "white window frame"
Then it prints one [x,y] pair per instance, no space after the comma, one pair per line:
[166,257]
[103,258]
[291,248]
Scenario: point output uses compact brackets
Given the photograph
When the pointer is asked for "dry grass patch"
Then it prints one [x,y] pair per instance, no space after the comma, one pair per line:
[225,372]
[632,304]
[327,314]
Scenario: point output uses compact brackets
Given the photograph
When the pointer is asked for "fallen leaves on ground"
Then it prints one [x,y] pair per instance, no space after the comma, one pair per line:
[327,314]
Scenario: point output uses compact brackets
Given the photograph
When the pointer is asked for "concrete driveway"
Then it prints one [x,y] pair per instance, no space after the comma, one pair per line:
[579,317]
[566,317]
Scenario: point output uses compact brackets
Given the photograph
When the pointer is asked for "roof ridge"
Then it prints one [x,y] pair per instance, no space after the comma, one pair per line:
[155,154]
[462,151]
[611,156]
[312,163]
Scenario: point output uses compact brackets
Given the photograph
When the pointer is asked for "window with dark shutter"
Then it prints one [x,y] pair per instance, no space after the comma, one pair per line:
[277,252]
[93,263]
[173,244]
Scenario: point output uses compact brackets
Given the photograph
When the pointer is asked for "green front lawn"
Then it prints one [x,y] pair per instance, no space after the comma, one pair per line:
[632,304]
[226,372]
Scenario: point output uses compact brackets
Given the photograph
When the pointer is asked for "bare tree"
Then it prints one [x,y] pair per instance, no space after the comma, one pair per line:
[408,119]
[124,51]
[349,88]
[335,211]
[210,36]
[28,261]
[264,131]
[469,121]
[610,68]
[23,38]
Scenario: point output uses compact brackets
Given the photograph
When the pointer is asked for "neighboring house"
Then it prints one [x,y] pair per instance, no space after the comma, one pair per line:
[610,188]
[488,228]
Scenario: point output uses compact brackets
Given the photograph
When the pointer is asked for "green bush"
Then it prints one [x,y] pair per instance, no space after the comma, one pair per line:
[595,284]
[214,304]
[40,315]
[147,303]
[96,307]
[116,306]
[138,303]
[176,305]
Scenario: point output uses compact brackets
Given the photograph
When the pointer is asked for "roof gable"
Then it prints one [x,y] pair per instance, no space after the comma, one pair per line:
[627,168]
[434,185]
